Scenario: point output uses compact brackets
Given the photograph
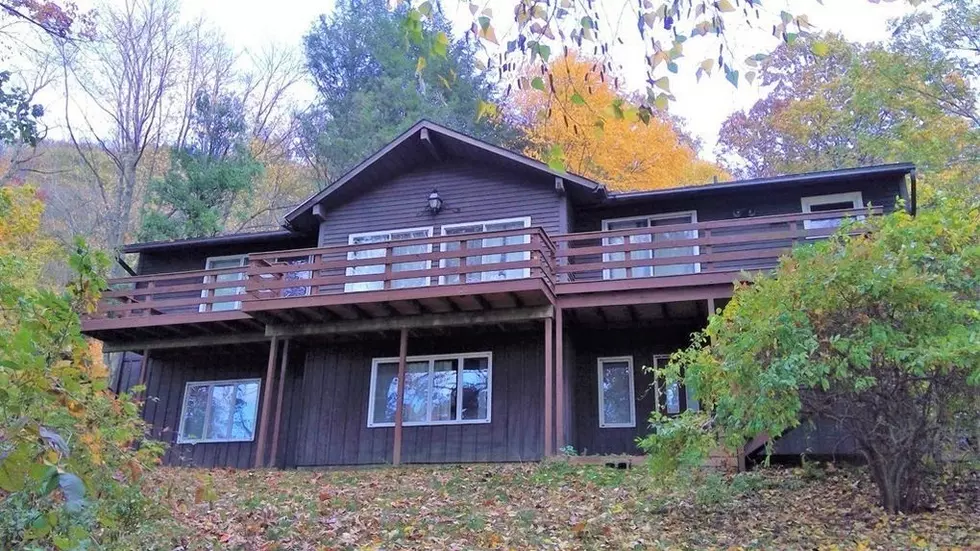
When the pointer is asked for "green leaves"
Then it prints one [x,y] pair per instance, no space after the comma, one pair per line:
[537,83]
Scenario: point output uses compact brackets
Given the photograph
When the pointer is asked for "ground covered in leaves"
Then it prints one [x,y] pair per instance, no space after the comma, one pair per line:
[550,506]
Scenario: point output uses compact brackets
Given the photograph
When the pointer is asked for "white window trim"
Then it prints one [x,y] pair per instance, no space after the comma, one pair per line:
[855,197]
[205,293]
[442,247]
[207,414]
[459,395]
[602,401]
[607,274]
[350,241]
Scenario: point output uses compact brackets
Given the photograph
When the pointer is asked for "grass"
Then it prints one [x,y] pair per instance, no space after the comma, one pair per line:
[549,506]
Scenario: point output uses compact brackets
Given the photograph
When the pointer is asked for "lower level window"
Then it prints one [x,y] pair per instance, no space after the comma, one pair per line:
[444,389]
[674,402]
[617,405]
[219,411]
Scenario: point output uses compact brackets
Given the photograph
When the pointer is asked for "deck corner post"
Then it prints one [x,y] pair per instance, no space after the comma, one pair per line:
[144,377]
[277,421]
[266,404]
[559,381]
[396,452]
[549,350]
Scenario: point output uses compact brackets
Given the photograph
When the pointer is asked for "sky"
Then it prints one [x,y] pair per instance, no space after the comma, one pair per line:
[704,105]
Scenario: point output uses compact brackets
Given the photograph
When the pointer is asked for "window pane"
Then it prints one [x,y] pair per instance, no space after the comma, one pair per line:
[444,382]
[246,406]
[674,269]
[476,388]
[195,407]
[222,404]
[385,393]
[416,392]
[673,398]
[692,401]
[824,207]
[616,396]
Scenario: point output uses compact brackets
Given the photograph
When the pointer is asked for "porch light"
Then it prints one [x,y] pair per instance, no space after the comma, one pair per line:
[435,202]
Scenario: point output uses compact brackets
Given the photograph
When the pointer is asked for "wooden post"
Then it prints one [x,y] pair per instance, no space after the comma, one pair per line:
[283,365]
[549,349]
[396,453]
[266,404]
[144,376]
[559,380]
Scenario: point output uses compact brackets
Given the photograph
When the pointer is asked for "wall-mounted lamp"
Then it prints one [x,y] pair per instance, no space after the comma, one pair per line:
[434,204]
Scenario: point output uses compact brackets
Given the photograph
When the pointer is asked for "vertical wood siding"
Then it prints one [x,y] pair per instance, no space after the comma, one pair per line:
[642,344]
[169,371]
[471,193]
[333,427]
[722,206]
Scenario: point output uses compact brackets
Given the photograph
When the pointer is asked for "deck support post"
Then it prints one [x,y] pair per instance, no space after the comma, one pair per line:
[270,372]
[278,418]
[549,368]
[559,381]
[144,377]
[396,452]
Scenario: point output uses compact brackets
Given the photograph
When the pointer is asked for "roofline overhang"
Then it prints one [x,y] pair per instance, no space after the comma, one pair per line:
[230,239]
[775,181]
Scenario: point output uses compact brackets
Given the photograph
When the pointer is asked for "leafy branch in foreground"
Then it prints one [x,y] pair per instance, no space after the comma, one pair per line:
[71,452]
[878,331]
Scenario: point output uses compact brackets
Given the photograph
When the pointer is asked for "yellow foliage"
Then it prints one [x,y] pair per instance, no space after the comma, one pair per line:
[601,133]
[21,236]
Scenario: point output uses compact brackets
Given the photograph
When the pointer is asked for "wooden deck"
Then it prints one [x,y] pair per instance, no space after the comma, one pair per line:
[512,270]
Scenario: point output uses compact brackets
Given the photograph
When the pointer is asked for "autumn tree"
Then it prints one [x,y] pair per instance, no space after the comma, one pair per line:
[72,453]
[835,104]
[876,330]
[587,126]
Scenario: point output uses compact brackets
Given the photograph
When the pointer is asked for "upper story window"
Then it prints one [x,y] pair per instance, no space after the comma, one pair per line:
[219,411]
[385,237]
[220,263]
[439,390]
[658,221]
[617,402]
[824,203]
[499,273]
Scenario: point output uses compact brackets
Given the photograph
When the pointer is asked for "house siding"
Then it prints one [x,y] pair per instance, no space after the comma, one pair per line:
[333,427]
[642,345]
[721,206]
[170,371]
[471,193]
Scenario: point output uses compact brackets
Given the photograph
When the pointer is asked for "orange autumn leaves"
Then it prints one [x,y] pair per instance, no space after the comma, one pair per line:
[590,128]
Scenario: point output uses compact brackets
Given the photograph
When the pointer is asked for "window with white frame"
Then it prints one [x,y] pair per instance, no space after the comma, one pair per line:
[219,411]
[656,222]
[463,230]
[617,402]
[439,390]
[824,203]
[672,404]
[219,263]
[386,237]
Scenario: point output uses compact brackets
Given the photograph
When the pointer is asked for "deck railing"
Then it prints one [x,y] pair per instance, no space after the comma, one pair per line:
[403,264]
[175,293]
[572,260]
[694,248]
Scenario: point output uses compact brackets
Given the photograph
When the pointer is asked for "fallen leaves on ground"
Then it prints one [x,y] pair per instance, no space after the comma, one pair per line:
[547,506]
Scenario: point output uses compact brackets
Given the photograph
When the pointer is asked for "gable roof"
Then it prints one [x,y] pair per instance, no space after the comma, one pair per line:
[422,142]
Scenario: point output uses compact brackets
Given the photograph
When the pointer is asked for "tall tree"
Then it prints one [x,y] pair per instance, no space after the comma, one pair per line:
[835,104]
[372,82]
[127,76]
[600,133]
[195,197]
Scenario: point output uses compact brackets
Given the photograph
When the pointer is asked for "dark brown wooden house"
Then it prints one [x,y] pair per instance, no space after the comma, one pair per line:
[512,308]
